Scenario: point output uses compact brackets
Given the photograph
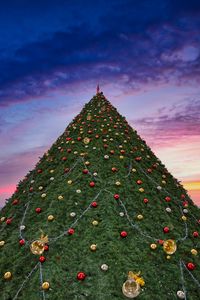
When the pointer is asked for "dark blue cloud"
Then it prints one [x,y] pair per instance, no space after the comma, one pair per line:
[51,44]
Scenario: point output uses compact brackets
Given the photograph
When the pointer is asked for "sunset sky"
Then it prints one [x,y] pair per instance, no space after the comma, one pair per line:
[144,54]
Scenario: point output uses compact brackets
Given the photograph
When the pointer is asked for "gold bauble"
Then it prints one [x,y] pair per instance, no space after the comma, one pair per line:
[45,285]
[118,183]
[140,217]
[75,152]
[134,170]
[95,222]
[141,190]
[168,257]
[87,163]
[69,181]
[50,218]
[86,140]
[37,247]
[93,247]
[43,195]
[194,252]
[2,243]
[184,218]
[121,156]
[7,275]
[73,142]
[40,188]
[2,219]
[51,171]
[153,246]
[131,288]
[163,182]
[60,197]
[169,246]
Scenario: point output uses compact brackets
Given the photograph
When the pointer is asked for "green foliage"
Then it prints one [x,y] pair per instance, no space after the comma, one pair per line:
[70,254]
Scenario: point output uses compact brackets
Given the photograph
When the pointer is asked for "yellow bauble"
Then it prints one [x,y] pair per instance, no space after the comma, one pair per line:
[93,247]
[169,246]
[60,197]
[50,218]
[168,257]
[163,182]
[184,218]
[75,152]
[194,251]
[121,156]
[86,140]
[2,219]
[51,171]
[7,275]
[45,285]
[2,243]
[153,246]
[72,142]
[95,222]
[163,176]
[40,188]
[140,217]
[43,195]
[141,190]
[118,183]
[69,181]
[134,170]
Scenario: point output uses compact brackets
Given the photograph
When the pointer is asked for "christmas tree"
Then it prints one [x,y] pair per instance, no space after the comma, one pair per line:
[100,217]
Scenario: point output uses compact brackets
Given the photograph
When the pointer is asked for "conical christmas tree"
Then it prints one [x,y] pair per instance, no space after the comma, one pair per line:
[99,217]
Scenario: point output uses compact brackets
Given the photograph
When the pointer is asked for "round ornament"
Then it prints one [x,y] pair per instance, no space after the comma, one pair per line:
[190,266]
[2,243]
[72,214]
[140,217]
[81,276]
[95,222]
[45,285]
[121,214]
[194,252]
[86,140]
[104,267]
[153,246]
[37,247]
[130,288]
[93,247]
[123,234]
[169,246]
[50,218]
[168,209]
[180,295]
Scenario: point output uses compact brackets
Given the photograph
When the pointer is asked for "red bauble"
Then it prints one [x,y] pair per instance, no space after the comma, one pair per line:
[138,158]
[15,202]
[85,171]
[123,234]
[68,139]
[114,169]
[81,276]
[38,210]
[195,234]
[96,136]
[190,266]
[182,196]
[79,138]
[185,203]
[112,151]
[39,171]
[116,196]
[94,204]
[31,189]
[66,170]
[122,151]
[161,242]
[166,229]
[139,182]
[146,200]
[149,170]
[69,150]
[70,231]
[167,199]
[8,221]
[64,158]
[42,259]
[22,242]
[46,248]
[92,184]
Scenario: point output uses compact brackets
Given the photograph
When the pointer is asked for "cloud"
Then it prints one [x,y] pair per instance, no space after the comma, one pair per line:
[128,44]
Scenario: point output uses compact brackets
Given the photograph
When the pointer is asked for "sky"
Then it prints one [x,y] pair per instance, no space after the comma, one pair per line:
[144,54]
